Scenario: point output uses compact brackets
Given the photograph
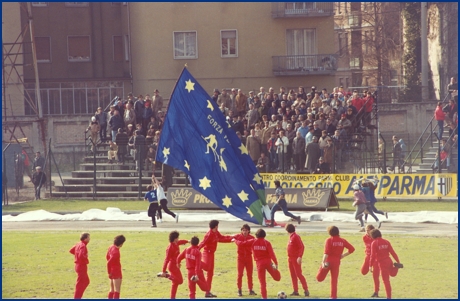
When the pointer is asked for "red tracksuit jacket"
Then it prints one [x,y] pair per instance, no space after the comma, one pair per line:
[113,259]
[172,251]
[263,251]
[210,240]
[244,245]
[295,247]
[334,247]
[192,257]
[81,253]
[381,250]
[367,242]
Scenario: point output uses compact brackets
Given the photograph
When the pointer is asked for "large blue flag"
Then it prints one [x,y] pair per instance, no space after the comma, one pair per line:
[197,139]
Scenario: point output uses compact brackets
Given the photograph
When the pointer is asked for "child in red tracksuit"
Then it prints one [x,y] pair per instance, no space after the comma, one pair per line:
[195,274]
[333,249]
[295,249]
[209,246]
[170,262]
[244,258]
[81,265]
[114,266]
[380,253]
[367,239]
[264,255]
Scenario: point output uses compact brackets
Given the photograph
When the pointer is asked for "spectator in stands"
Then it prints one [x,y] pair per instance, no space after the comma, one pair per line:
[263,110]
[322,167]
[282,144]
[330,128]
[328,151]
[440,116]
[112,153]
[157,103]
[139,147]
[224,98]
[257,103]
[150,135]
[317,132]
[322,141]
[396,154]
[139,107]
[263,163]
[121,140]
[326,108]
[130,130]
[215,95]
[271,147]
[450,109]
[148,113]
[120,107]
[316,101]
[252,117]
[345,124]
[368,106]
[273,109]
[261,93]
[338,142]
[253,146]
[298,148]
[453,132]
[102,118]
[130,115]
[313,153]
[351,106]
[453,88]
[93,129]
[321,121]
[150,158]
[265,137]
[444,155]
[237,124]
[223,109]
[241,101]
[302,93]
[233,95]
[335,101]
[154,122]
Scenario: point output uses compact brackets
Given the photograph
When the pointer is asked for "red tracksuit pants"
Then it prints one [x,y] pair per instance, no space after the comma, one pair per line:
[175,277]
[334,266]
[243,263]
[386,270]
[82,280]
[375,272]
[208,266]
[295,270]
[202,284]
[263,267]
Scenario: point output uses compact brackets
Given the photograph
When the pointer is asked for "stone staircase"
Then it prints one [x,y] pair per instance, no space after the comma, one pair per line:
[113,181]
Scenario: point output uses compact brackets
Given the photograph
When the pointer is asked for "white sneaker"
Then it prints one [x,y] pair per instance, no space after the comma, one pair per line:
[362,230]
[160,220]
[177,217]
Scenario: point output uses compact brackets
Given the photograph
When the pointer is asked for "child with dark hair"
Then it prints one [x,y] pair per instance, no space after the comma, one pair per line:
[81,264]
[367,239]
[380,253]
[209,246]
[295,249]
[265,261]
[114,266]
[333,253]
[195,274]
[244,260]
[170,262]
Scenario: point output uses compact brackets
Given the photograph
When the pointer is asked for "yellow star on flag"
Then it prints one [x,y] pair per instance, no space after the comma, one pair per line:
[210,106]
[250,212]
[205,183]
[257,178]
[165,152]
[227,201]
[243,195]
[243,149]
[186,165]
[189,86]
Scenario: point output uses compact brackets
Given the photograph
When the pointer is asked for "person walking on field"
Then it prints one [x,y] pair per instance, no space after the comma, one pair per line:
[266,261]
[367,239]
[163,200]
[333,253]
[152,197]
[170,262]
[380,253]
[193,263]
[295,249]
[244,260]
[80,253]
[209,246]
[361,204]
[280,204]
[114,266]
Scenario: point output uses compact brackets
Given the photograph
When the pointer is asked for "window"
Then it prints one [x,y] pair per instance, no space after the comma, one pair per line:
[185,45]
[126,47]
[353,20]
[301,49]
[229,44]
[354,62]
[79,48]
[76,4]
[39,4]
[117,48]
[43,49]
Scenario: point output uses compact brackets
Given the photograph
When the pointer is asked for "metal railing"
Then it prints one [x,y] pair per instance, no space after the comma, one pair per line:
[302,9]
[304,64]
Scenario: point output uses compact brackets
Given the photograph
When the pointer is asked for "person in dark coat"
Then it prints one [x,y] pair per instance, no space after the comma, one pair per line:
[115,123]
[38,179]
[121,139]
[313,153]
[140,147]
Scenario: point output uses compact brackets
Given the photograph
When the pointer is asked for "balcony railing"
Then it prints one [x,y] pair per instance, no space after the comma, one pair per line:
[304,64]
[302,9]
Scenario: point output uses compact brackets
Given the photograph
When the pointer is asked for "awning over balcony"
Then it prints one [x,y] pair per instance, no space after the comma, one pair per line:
[304,64]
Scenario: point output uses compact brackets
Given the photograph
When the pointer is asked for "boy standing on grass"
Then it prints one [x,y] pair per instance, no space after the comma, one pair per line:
[244,260]
[367,239]
[264,256]
[295,249]
[195,273]
[114,266]
[151,196]
[380,253]
[209,246]
[170,262]
[81,265]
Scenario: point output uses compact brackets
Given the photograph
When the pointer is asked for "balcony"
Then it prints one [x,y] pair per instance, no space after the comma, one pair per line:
[302,9]
[316,64]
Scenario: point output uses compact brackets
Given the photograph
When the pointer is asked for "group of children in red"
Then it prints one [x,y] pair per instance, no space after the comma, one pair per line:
[199,257]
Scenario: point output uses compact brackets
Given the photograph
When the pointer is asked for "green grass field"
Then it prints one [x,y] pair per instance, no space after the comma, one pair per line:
[38,265]
[125,205]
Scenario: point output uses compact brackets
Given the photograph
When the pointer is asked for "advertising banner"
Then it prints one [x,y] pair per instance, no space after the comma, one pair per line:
[413,186]
[297,199]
